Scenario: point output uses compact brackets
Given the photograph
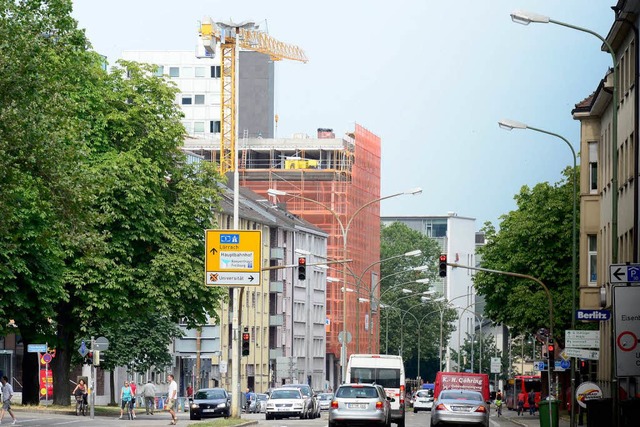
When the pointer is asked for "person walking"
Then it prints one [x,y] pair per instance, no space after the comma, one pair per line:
[7,394]
[149,394]
[171,400]
[532,402]
[133,399]
[522,396]
[126,395]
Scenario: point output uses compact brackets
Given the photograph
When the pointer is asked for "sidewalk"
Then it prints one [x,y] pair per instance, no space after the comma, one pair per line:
[532,420]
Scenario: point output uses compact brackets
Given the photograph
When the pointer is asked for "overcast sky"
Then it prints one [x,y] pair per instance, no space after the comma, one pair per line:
[431,78]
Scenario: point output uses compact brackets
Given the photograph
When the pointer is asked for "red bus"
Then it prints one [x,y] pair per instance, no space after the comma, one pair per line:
[522,383]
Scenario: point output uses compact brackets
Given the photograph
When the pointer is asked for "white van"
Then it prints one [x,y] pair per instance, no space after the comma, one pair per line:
[386,370]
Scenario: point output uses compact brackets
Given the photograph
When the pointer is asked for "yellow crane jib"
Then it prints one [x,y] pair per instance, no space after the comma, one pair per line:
[231,36]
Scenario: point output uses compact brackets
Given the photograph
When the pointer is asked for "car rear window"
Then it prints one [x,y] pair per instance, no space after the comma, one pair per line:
[357,392]
[465,395]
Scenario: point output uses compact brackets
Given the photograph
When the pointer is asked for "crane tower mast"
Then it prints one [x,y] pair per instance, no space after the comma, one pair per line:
[231,37]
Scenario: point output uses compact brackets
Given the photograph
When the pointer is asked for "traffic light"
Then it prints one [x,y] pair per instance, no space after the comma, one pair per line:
[89,357]
[302,268]
[551,354]
[245,343]
[96,358]
[442,266]
[583,366]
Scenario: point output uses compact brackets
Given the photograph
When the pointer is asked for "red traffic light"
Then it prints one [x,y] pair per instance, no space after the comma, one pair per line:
[245,336]
[302,260]
[443,258]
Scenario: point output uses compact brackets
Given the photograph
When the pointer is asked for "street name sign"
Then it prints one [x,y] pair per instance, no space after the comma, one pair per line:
[582,353]
[624,273]
[582,339]
[626,314]
[593,315]
[233,257]
[495,365]
[36,348]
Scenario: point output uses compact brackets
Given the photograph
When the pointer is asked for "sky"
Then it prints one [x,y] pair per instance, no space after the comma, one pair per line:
[431,78]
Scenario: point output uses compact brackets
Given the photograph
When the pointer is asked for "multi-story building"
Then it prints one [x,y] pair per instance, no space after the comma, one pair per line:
[456,235]
[609,201]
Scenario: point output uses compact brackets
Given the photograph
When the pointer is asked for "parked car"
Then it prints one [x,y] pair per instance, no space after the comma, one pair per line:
[259,403]
[324,401]
[313,407]
[422,400]
[210,402]
[286,402]
[457,406]
[360,404]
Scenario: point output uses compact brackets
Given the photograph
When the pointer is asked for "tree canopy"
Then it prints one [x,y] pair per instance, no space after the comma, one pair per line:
[103,217]
[535,239]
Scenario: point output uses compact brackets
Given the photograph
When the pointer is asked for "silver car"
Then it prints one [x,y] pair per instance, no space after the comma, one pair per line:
[460,407]
[360,404]
[324,400]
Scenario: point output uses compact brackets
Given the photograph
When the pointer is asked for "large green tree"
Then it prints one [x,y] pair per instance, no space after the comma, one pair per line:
[409,325]
[535,239]
[103,218]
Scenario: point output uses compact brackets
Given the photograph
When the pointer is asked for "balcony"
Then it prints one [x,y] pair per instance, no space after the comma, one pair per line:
[276,320]
[276,286]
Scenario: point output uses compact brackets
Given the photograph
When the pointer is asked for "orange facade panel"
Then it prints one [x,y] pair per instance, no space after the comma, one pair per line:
[343,196]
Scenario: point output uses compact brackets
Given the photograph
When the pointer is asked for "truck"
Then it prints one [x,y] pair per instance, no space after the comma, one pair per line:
[462,381]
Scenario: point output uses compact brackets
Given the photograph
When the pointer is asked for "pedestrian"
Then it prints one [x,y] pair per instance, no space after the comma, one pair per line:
[133,399]
[189,391]
[125,397]
[149,394]
[532,402]
[171,399]
[522,396]
[7,394]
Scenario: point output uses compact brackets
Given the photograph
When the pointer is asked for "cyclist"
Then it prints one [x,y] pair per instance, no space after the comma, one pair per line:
[80,392]
[126,394]
[499,402]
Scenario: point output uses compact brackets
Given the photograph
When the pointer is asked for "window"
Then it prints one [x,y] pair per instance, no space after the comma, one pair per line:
[187,72]
[200,71]
[187,127]
[198,127]
[174,72]
[593,167]
[214,126]
[159,71]
[199,99]
[215,71]
[592,242]
[186,100]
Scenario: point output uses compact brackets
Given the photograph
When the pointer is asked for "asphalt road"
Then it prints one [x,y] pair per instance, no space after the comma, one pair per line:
[41,418]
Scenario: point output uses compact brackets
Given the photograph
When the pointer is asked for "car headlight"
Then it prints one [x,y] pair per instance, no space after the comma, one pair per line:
[195,406]
[221,405]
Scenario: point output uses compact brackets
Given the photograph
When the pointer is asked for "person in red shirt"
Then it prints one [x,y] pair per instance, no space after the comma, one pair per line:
[133,397]
[522,396]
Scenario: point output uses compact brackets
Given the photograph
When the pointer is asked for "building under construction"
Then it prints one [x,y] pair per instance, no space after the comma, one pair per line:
[338,176]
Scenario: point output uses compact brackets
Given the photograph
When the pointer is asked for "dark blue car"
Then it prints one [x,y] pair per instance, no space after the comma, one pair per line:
[210,402]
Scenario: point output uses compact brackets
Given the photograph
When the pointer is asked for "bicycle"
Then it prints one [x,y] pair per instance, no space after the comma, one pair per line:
[81,405]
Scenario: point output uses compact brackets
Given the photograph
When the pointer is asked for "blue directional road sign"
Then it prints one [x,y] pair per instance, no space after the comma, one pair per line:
[624,273]
[83,349]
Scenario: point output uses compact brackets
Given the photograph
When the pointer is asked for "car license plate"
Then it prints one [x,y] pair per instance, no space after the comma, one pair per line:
[208,410]
[357,406]
[460,409]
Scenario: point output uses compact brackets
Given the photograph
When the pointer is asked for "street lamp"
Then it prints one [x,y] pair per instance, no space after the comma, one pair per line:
[510,125]
[526,18]
[344,228]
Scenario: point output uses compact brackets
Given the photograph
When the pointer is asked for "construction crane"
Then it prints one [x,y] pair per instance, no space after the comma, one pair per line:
[231,37]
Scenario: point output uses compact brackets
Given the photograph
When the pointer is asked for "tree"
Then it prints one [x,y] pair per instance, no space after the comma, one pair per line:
[103,218]
[535,239]
[407,319]
[485,344]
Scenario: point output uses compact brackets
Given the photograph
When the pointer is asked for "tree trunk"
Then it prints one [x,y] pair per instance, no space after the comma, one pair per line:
[30,376]
[112,383]
[61,365]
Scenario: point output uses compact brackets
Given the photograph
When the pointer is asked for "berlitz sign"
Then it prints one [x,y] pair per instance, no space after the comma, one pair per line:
[593,315]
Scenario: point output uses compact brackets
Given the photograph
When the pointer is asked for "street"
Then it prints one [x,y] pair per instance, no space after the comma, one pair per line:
[41,418]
